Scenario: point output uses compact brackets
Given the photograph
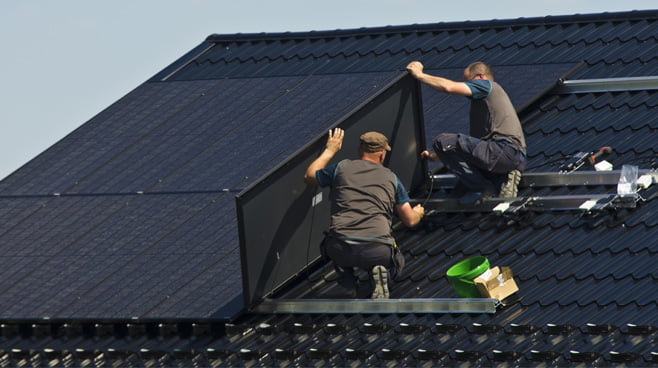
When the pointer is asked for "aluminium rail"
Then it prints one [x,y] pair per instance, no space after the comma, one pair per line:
[577,202]
[369,306]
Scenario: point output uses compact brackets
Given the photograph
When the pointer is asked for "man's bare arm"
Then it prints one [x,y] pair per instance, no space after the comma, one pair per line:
[415,68]
[410,216]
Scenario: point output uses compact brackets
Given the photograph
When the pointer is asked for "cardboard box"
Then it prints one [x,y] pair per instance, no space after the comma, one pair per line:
[497,283]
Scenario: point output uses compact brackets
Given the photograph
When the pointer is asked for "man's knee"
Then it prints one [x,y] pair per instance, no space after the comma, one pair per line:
[445,142]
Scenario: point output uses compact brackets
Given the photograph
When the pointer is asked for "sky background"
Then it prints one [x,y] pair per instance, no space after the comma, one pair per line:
[64,61]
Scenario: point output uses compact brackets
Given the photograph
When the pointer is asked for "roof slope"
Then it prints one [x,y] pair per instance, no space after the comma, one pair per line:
[132,214]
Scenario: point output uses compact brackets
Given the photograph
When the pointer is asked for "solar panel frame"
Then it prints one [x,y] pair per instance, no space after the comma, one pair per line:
[281,220]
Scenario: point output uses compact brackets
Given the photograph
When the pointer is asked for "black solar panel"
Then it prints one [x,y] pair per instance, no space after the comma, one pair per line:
[104,138]
[126,255]
[282,220]
[269,134]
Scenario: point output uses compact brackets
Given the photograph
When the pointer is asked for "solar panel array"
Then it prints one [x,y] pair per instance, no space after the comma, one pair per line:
[133,214]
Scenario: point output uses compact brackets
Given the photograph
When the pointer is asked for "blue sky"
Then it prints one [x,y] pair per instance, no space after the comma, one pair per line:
[65,61]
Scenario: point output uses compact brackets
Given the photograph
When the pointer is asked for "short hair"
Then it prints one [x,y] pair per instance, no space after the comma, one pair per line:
[480,67]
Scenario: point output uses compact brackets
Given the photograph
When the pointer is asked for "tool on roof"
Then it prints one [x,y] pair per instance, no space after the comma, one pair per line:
[584,158]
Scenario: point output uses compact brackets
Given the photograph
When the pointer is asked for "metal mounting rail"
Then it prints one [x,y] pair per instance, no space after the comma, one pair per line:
[577,178]
[369,306]
[580,202]
[607,85]
[590,202]
[553,179]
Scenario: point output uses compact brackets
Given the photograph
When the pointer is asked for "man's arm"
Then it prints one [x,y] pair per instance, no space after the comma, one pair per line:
[410,216]
[415,68]
[334,143]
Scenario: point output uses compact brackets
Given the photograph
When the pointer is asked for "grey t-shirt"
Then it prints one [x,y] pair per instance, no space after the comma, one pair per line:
[363,197]
[492,114]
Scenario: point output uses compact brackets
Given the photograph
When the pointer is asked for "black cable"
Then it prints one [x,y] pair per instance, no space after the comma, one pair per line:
[429,192]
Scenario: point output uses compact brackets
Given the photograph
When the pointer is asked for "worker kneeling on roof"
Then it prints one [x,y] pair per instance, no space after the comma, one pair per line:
[364,196]
[488,162]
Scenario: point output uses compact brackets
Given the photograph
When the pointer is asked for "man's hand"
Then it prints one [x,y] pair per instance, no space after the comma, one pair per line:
[334,144]
[431,156]
[415,68]
[420,211]
[335,140]
[410,216]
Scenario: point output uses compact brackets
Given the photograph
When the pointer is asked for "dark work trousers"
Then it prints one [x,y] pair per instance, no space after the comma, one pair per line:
[347,254]
[480,165]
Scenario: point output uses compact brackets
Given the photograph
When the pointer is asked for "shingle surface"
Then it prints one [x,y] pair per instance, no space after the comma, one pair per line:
[132,214]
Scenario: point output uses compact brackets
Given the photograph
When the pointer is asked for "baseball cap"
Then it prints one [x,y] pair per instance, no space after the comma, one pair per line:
[374,142]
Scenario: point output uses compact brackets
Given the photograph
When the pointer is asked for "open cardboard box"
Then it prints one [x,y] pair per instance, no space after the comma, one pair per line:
[497,283]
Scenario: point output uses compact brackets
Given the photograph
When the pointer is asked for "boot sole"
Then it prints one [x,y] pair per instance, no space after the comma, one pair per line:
[380,275]
[511,188]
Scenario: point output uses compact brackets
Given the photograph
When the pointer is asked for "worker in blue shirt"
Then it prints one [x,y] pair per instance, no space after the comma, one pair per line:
[364,196]
[489,161]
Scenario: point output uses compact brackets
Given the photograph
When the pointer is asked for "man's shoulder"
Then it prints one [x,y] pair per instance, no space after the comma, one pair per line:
[365,165]
[480,88]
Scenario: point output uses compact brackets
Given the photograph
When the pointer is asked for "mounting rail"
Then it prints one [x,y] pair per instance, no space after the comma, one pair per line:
[579,202]
[552,179]
[607,85]
[369,306]
[591,202]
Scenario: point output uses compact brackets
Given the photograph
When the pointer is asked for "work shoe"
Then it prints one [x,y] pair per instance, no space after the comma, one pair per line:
[380,278]
[511,187]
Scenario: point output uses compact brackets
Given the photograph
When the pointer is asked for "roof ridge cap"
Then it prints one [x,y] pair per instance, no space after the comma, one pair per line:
[440,26]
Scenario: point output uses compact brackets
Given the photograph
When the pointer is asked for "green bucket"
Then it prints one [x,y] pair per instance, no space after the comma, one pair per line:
[461,276]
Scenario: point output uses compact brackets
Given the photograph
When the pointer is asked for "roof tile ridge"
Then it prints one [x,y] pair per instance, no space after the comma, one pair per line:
[592,128]
[589,276]
[295,56]
[557,303]
[621,60]
[457,25]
